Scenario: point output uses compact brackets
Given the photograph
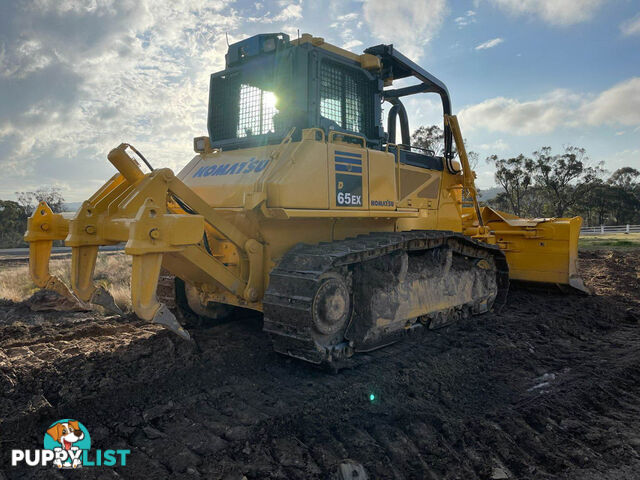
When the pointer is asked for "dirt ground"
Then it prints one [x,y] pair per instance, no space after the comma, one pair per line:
[547,388]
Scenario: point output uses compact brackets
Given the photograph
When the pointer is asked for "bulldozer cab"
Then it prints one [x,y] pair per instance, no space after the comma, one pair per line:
[271,84]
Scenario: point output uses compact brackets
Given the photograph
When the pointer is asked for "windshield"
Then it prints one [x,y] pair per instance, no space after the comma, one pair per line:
[344,97]
[245,103]
[257,109]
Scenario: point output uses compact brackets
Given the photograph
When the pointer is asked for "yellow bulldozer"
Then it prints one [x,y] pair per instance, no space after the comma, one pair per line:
[300,205]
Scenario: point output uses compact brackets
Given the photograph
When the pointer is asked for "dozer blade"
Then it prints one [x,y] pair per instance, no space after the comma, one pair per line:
[540,250]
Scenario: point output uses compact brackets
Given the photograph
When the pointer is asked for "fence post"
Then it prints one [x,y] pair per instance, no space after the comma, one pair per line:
[627,228]
[601,228]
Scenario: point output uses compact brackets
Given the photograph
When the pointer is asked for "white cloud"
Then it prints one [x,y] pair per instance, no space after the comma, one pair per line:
[351,44]
[290,12]
[554,12]
[77,78]
[490,43]
[631,26]
[423,110]
[618,105]
[466,19]
[349,17]
[497,146]
[345,26]
[512,116]
[408,24]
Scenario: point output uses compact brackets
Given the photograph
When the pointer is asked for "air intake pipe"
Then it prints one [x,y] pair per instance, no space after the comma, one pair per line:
[398,110]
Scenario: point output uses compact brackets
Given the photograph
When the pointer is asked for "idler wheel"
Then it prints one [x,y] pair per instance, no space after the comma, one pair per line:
[331,305]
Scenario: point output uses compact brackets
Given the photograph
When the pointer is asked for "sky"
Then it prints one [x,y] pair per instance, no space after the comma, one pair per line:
[77,78]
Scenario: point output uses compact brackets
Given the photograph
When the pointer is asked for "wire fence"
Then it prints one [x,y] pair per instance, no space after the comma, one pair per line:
[609,229]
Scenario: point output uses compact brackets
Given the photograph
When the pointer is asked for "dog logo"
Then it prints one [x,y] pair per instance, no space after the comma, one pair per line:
[68,439]
[67,444]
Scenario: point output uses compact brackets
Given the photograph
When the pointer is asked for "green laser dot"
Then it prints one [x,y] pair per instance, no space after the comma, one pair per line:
[372,397]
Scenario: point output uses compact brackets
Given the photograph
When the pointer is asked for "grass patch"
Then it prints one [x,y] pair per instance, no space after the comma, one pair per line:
[618,241]
[113,271]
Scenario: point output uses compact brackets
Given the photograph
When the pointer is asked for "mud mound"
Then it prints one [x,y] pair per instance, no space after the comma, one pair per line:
[548,388]
[615,274]
[47,300]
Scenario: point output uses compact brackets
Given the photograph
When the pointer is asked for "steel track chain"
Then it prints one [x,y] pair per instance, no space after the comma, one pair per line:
[294,281]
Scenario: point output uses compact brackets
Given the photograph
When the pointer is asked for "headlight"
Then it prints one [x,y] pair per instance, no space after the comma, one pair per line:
[201,144]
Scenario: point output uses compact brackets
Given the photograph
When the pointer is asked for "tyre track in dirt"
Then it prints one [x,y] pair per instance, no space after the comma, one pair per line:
[548,388]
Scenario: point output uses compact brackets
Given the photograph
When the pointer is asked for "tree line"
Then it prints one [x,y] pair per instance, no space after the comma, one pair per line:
[14,214]
[548,184]
[566,184]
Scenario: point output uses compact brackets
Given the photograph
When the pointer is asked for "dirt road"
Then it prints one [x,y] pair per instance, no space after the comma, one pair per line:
[548,388]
